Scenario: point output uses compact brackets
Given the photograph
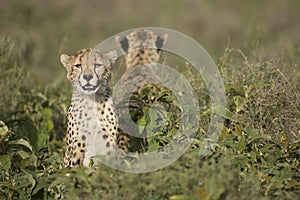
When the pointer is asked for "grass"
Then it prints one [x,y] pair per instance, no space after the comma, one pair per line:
[257,154]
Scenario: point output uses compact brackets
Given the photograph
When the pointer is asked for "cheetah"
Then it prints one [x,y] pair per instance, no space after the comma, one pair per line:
[141,47]
[92,127]
[142,50]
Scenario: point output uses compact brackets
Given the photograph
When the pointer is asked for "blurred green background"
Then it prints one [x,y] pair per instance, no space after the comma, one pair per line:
[44,29]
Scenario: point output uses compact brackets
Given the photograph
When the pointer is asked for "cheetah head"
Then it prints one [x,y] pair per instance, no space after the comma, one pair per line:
[141,43]
[88,70]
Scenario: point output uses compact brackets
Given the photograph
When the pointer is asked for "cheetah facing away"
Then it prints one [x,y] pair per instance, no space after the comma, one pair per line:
[141,47]
[142,51]
[92,122]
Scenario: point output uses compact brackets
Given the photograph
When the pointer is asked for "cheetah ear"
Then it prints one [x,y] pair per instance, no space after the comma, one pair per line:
[112,55]
[64,59]
[161,40]
[123,42]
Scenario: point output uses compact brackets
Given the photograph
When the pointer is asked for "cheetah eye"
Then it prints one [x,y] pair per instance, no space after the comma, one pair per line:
[97,65]
[77,65]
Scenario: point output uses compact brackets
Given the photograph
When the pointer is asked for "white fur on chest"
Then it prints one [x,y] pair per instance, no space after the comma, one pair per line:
[97,123]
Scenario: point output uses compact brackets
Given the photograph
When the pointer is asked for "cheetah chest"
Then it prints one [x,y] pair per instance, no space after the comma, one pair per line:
[95,124]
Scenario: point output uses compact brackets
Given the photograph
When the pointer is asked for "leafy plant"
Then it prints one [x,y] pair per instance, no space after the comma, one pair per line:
[257,154]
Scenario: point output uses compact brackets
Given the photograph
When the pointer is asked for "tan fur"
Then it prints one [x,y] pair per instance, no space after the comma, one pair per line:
[92,122]
[141,48]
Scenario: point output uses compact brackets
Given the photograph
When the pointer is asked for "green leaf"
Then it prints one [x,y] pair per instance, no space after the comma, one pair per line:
[153,146]
[3,129]
[50,125]
[5,162]
[47,113]
[144,120]
[241,144]
[239,102]
[262,137]
[41,140]
[180,197]
[41,184]
[30,180]
[22,142]
[23,154]
[156,112]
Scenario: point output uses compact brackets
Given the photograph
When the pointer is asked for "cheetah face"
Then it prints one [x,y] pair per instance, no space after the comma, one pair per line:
[88,69]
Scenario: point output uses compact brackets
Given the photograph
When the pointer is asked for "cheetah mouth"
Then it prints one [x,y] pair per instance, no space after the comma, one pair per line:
[89,87]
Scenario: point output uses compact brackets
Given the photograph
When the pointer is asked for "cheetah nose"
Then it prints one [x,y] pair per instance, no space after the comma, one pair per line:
[87,76]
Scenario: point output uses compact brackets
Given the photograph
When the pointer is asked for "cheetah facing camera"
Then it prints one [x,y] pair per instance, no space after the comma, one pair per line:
[92,122]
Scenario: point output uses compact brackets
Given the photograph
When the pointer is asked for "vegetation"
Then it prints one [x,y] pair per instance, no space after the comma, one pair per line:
[257,154]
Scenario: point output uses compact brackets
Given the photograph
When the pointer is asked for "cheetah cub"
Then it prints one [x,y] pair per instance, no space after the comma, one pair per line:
[92,122]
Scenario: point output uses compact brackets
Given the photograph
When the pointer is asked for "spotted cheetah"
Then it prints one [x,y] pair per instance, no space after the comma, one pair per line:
[141,47]
[142,50]
[92,122]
